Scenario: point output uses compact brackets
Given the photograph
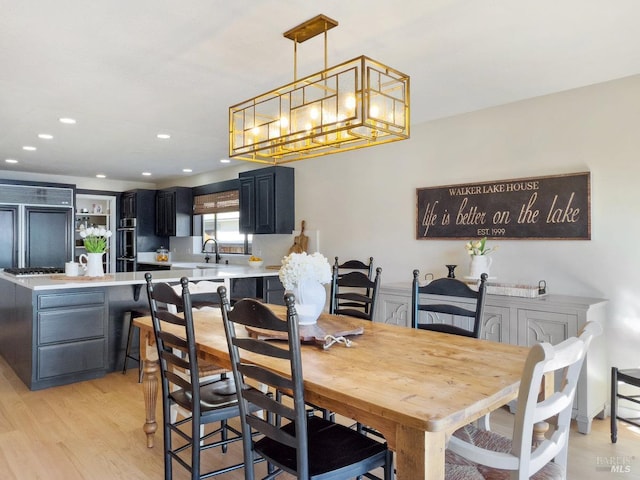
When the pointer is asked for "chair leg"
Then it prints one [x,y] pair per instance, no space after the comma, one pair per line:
[127,354]
[614,404]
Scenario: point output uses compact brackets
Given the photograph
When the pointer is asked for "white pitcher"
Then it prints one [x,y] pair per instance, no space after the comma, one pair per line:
[479,264]
[92,263]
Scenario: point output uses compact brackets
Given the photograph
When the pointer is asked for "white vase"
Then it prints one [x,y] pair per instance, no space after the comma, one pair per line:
[479,264]
[310,299]
[93,264]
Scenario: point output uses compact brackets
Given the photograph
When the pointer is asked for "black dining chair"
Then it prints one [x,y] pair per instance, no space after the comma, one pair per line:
[353,289]
[294,441]
[455,302]
[631,378]
[207,401]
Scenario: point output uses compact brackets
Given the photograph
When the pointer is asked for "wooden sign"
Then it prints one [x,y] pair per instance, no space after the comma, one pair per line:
[554,207]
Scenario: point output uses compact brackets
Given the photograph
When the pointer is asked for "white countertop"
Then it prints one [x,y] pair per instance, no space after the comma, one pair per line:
[218,272]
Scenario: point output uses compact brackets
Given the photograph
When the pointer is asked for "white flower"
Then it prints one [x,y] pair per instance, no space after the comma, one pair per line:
[479,247]
[300,266]
[95,239]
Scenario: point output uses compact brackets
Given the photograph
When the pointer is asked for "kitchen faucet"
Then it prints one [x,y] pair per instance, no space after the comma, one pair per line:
[204,250]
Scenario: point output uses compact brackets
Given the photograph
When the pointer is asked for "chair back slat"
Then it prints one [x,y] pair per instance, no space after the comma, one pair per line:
[262,348]
[266,377]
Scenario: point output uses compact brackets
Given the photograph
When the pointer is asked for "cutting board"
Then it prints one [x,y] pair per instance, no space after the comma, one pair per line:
[336,325]
[300,242]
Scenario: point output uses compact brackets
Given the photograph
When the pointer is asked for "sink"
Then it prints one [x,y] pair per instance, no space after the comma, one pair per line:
[210,265]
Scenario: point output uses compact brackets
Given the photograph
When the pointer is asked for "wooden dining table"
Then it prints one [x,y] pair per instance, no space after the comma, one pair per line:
[414,386]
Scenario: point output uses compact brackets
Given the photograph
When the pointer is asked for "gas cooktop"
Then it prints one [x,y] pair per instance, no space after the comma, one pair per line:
[33,271]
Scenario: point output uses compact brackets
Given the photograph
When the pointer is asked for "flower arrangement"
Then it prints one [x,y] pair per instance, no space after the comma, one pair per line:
[300,266]
[479,247]
[95,239]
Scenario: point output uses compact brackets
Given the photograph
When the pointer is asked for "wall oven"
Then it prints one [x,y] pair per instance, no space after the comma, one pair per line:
[127,246]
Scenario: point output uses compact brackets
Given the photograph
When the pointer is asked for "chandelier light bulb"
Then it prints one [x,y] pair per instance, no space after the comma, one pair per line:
[284,122]
[374,111]
[350,102]
[313,113]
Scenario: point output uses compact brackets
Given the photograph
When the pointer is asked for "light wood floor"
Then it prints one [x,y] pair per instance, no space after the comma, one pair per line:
[93,430]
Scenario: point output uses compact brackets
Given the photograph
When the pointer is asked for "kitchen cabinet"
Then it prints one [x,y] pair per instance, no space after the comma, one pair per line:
[526,321]
[174,207]
[54,337]
[128,205]
[267,198]
[272,290]
[140,205]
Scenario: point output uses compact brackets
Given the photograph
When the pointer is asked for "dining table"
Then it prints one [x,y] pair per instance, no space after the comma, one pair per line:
[414,386]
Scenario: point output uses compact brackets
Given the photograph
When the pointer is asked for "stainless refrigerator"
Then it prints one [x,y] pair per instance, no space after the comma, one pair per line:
[36,226]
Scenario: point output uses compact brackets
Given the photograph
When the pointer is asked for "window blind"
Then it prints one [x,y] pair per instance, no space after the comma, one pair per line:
[228,201]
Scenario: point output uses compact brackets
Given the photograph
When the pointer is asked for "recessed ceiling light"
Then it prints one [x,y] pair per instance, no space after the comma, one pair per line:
[29,148]
[45,136]
[146,174]
[101,175]
[163,136]
[225,160]
[187,170]
[67,120]
[11,160]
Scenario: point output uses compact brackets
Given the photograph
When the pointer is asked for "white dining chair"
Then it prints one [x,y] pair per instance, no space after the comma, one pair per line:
[473,453]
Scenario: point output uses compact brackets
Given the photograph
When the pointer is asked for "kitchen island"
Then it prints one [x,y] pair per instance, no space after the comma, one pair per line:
[56,330]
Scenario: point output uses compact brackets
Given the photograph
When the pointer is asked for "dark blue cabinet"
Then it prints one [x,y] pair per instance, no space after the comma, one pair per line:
[267,201]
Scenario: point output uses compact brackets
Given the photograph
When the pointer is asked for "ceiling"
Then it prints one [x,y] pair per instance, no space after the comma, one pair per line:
[127,70]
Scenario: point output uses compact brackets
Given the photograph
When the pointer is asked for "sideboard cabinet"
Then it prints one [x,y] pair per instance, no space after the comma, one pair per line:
[525,322]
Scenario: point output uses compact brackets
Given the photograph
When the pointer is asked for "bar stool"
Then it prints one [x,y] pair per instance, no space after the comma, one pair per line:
[131,314]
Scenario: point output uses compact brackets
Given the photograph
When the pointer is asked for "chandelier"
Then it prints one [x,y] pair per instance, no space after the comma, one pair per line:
[356,104]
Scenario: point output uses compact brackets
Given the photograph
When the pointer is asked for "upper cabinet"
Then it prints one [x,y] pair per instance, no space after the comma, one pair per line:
[267,198]
[128,205]
[174,207]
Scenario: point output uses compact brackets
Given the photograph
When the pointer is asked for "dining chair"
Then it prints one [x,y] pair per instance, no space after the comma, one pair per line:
[456,302]
[630,378]
[473,453]
[301,444]
[207,401]
[203,295]
[353,290]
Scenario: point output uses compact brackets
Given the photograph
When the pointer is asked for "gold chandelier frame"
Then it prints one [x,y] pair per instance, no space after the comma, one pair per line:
[356,104]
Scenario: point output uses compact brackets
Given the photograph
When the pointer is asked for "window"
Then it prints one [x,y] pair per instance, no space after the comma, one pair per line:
[221,220]
[225,228]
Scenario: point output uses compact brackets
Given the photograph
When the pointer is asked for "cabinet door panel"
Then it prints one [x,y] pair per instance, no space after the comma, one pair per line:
[536,326]
[63,325]
[9,237]
[49,236]
[265,204]
[65,358]
[247,205]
